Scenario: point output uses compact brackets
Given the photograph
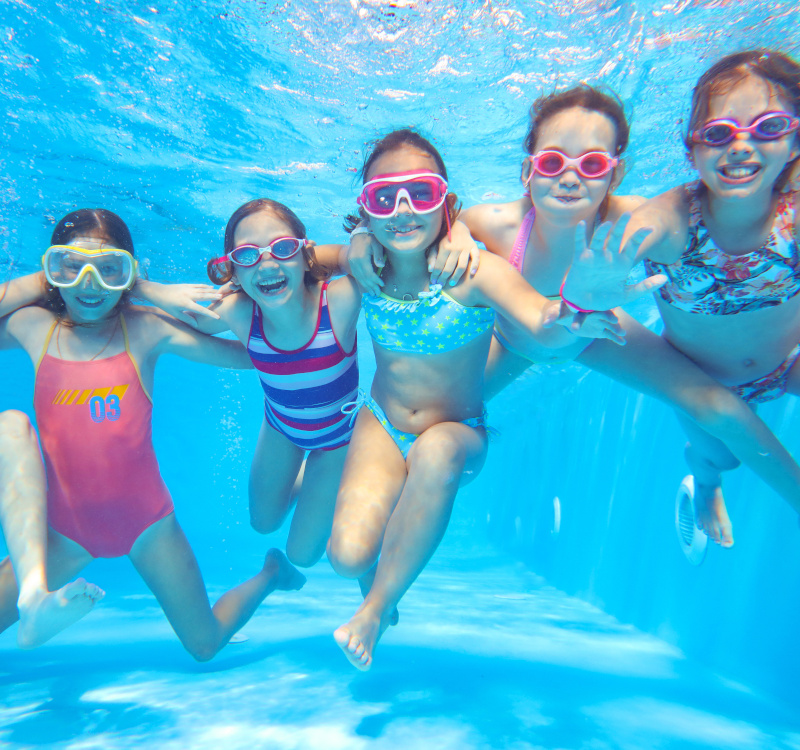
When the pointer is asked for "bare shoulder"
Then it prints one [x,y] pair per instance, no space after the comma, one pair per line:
[344,290]
[620,204]
[496,224]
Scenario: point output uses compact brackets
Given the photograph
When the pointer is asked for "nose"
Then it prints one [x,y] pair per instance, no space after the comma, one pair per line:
[403,207]
[569,178]
[741,144]
[90,282]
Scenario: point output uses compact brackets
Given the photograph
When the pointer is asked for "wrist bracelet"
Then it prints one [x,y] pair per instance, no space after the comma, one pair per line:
[571,305]
[360,230]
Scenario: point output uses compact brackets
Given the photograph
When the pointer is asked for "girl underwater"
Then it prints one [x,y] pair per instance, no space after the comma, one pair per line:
[95,356]
[42,613]
[423,432]
[300,332]
[574,144]
[728,244]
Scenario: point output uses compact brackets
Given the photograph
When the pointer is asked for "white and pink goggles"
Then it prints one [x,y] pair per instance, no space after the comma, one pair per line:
[424,192]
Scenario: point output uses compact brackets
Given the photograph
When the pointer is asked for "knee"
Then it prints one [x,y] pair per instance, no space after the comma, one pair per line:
[699,462]
[14,425]
[265,523]
[717,410]
[438,458]
[303,556]
[203,651]
[351,555]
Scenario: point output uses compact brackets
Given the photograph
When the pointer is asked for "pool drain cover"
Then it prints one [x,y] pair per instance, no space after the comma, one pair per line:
[692,540]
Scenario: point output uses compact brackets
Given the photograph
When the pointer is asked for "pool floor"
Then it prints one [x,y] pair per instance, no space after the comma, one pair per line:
[486,656]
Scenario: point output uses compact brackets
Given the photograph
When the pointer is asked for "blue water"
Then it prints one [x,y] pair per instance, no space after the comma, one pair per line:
[600,636]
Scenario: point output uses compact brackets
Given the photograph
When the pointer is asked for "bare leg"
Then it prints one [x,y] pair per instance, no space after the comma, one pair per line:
[273,475]
[316,500]
[651,365]
[164,559]
[441,459]
[708,458]
[23,516]
[502,368]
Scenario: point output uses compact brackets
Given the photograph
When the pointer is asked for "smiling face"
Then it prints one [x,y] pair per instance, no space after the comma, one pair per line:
[269,282]
[405,231]
[88,302]
[745,167]
[569,197]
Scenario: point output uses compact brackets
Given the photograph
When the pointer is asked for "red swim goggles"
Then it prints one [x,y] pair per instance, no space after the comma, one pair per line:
[768,127]
[281,248]
[424,191]
[591,165]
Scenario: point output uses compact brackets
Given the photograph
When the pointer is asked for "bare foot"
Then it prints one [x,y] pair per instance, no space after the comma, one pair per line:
[286,576]
[712,515]
[358,638]
[45,613]
[365,584]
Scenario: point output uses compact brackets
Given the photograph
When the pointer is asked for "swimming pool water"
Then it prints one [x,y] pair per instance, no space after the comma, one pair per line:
[172,114]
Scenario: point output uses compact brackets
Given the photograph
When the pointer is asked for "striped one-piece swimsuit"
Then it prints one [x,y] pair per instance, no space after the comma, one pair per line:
[305,389]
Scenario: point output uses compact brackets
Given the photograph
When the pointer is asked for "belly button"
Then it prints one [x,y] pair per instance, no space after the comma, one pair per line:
[749,362]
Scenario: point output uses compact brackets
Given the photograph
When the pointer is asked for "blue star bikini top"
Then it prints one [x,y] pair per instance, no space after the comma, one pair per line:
[432,324]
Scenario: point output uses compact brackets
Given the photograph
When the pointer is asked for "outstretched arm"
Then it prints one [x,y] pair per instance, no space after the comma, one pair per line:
[176,338]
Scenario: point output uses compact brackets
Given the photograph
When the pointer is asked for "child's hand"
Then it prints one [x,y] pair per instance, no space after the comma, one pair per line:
[595,325]
[451,259]
[364,255]
[179,300]
[597,279]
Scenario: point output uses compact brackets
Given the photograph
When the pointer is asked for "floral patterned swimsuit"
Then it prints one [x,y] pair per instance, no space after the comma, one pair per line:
[708,281]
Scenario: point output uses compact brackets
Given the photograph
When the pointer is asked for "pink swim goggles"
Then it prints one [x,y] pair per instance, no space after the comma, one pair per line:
[424,191]
[768,127]
[591,165]
[246,256]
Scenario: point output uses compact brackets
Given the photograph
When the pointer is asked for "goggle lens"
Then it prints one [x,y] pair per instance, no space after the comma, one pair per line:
[550,164]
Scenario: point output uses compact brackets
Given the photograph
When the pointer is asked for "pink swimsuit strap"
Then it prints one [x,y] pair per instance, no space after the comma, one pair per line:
[517,257]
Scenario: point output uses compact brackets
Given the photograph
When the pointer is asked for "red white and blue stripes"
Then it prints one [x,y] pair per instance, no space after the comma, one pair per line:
[305,389]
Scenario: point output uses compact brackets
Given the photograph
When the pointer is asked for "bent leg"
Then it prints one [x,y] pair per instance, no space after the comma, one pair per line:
[316,500]
[164,559]
[372,480]
[273,474]
[443,457]
[24,591]
[651,365]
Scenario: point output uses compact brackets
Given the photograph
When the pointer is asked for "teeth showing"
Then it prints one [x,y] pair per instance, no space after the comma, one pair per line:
[272,286]
[741,171]
[91,301]
[404,230]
